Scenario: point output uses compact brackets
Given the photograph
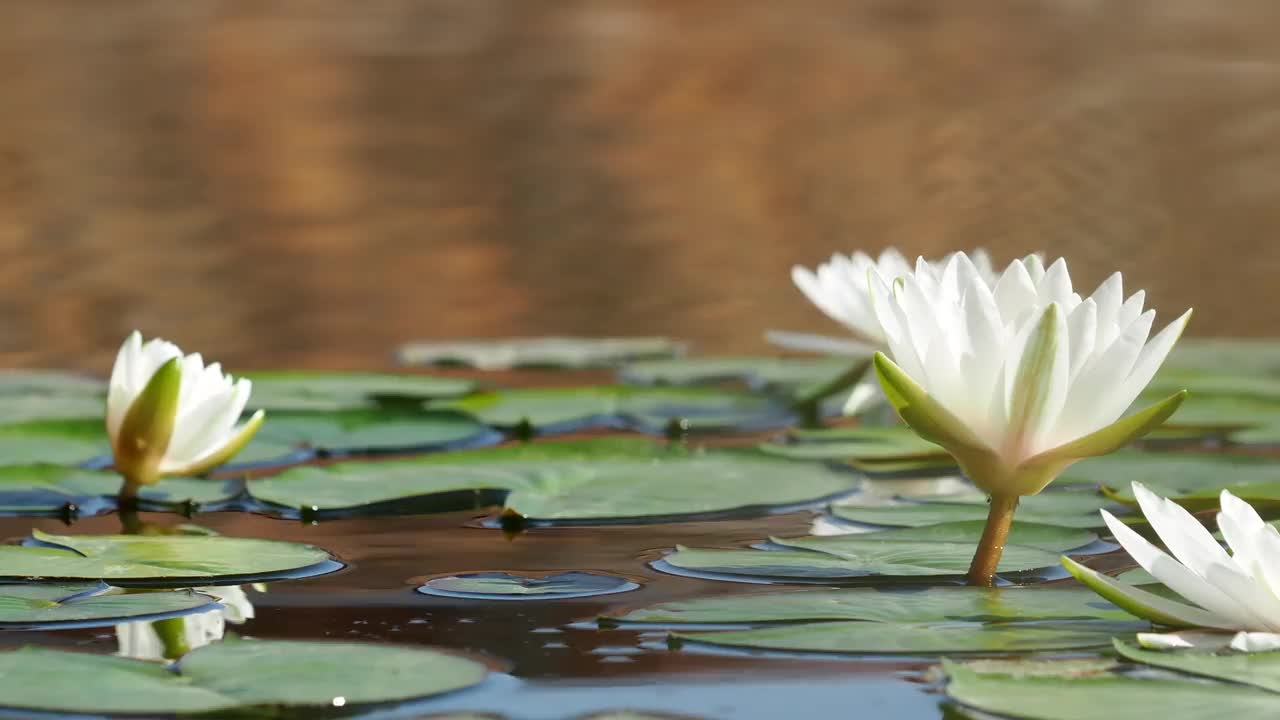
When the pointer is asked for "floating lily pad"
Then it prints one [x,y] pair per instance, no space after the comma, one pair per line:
[50,489]
[590,480]
[1260,669]
[552,352]
[789,375]
[357,431]
[27,395]
[172,560]
[1207,415]
[510,586]
[228,676]
[1054,538]
[25,607]
[856,556]
[1242,355]
[315,390]
[66,442]
[917,639]
[1170,473]
[890,605]
[1072,510]
[876,450]
[552,410]
[1114,697]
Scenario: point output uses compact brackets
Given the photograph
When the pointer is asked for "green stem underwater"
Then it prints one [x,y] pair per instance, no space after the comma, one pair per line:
[982,570]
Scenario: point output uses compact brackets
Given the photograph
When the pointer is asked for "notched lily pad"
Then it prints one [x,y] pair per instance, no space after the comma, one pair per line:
[650,410]
[48,607]
[169,560]
[232,677]
[526,586]
[548,352]
[60,490]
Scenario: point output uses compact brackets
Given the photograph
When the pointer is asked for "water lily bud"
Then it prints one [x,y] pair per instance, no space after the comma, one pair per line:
[170,415]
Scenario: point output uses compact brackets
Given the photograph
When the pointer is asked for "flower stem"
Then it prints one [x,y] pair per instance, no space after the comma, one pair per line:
[982,570]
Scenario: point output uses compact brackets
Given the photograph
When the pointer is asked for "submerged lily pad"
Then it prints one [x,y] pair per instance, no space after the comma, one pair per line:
[173,560]
[916,639]
[52,489]
[652,410]
[316,390]
[229,676]
[553,352]
[1065,509]
[510,586]
[25,607]
[1114,697]
[887,605]
[589,480]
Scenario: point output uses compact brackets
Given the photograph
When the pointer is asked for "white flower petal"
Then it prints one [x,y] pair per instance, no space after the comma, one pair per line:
[1255,642]
[1186,639]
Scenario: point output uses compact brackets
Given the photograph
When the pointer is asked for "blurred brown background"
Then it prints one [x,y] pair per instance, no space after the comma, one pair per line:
[309,183]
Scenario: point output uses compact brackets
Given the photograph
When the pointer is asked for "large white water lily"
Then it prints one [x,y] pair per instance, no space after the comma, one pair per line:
[839,289]
[171,415]
[1236,592]
[1020,378]
[169,639]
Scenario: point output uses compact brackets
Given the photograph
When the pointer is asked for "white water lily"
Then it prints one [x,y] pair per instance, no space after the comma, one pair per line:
[1017,379]
[1236,592]
[839,289]
[171,415]
[143,640]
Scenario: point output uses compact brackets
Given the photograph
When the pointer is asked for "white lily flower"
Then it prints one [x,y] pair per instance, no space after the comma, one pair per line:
[1021,378]
[171,415]
[1237,592]
[839,289]
[143,641]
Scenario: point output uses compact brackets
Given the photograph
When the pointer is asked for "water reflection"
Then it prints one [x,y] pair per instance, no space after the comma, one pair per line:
[172,638]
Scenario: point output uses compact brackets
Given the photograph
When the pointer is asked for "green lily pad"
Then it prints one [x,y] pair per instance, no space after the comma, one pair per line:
[887,605]
[856,556]
[27,395]
[552,410]
[511,586]
[1070,510]
[25,607]
[916,638]
[1260,669]
[228,676]
[590,480]
[52,489]
[791,375]
[360,431]
[1170,473]
[315,390]
[66,442]
[869,443]
[170,559]
[1054,538]
[1242,355]
[1209,415]
[1113,697]
[549,352]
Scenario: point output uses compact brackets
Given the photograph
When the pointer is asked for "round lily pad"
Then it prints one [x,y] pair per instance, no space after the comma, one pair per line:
[171,560]
[892,605]
[917,639]
[550,352]
[56,489]
[232,676]
[651,410]
[1054,538]
[316,390]
[365,431]
[582,481]
[525,586]
[1261,669]
[46,607]
[1072,510]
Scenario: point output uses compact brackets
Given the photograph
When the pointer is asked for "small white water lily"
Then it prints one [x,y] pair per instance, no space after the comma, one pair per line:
[1237,592]
[143,641]
[1017,379]
[171,415]
[839,289]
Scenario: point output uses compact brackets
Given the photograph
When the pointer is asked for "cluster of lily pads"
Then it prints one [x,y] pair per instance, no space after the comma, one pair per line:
[902,514]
